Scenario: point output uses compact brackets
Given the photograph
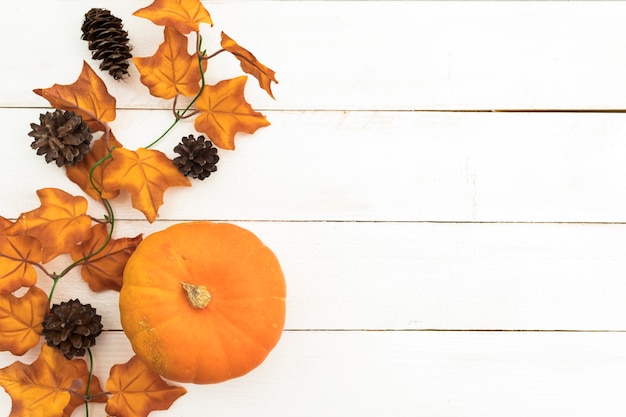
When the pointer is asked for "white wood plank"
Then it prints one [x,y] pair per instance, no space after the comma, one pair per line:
[358,54]
[391,166]
[378,276]
[315,374]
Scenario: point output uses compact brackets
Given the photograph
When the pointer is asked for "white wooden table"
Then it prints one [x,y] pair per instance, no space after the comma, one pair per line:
[442,258]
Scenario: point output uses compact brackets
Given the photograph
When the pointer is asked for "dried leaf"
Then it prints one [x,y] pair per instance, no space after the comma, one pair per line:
[79,173]
[104,270]
[59,223]
[87,96]
[137,390]
[17,256]
[42,388]
[224,111]
[20,320]
[250,64]
[145,174]
[183,15]
[171,70]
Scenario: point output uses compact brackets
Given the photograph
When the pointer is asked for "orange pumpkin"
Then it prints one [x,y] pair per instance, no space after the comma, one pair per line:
[203,302]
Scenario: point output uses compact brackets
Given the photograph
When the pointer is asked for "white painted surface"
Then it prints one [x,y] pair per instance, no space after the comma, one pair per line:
[402,232]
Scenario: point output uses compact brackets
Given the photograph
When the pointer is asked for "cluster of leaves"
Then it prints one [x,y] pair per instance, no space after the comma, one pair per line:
[54,385]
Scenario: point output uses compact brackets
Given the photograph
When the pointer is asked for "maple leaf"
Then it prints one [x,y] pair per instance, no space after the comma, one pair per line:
[17,256]
[59,223]
[43,387]
[183,15]
[20,320]
[137,390]
[171,70]
[250,64]
[224,112]
[145,174]
[104,270]
[79,173]
[87,96]
[4,223]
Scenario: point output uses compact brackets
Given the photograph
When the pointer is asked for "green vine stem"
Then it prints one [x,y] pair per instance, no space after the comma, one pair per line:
[110,217]
[89,378]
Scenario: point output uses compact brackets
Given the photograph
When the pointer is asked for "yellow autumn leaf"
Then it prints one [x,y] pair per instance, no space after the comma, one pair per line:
[20,320]
[17,256]
[171,70]
[250,64]
[137,391]
[44,387]
[87,96]
[59,223]
[104,270]
[224,111]
[183,15]
[145,174]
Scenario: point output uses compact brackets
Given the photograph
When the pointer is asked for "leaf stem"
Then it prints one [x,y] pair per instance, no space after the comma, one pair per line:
[213,55]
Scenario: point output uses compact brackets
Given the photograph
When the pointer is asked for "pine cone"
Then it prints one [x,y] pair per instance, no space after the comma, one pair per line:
[198,157]
[72,327]
[108,41]
[62,136]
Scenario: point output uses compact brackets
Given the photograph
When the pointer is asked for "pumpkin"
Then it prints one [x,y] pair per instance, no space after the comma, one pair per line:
[202,302]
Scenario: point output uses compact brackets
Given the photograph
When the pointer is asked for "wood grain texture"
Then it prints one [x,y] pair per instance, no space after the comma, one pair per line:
[374,166]
[404,374]
[340,55]
[440,261]
[385,275]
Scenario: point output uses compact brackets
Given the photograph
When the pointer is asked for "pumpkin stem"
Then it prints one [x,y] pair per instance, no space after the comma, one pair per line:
[199,296]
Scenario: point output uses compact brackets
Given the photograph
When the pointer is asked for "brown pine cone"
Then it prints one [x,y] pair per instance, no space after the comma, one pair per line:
[61,136]
[198,157]
[72,327]
[108,41]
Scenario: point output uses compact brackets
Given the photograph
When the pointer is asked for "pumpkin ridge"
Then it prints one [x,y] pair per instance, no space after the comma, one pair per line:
[232,325]
[228,363]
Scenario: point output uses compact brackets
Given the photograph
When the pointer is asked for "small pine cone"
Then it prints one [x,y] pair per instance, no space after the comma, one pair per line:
[198,157]
[108,41]
[72,327]
[62,136]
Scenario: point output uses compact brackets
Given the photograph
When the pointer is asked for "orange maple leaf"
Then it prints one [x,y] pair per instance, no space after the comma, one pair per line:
[145,174]
[171,70]
[4,223]
[17,256]
[250,64]
[104,270]
[183,15]
[87,96]
[79,173]
[20,320]
[138,390]
[59,223]
[224,111]
[43,387]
